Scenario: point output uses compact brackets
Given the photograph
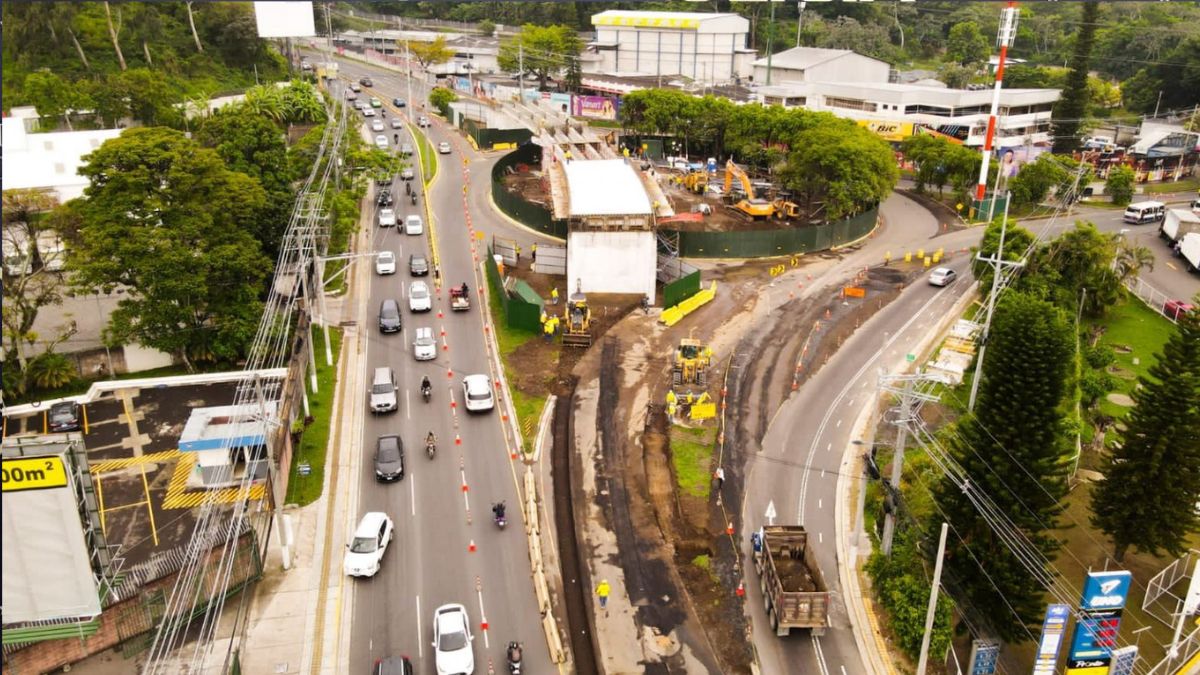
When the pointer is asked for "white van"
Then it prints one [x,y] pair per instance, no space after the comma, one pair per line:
[383,390]
[1145,212]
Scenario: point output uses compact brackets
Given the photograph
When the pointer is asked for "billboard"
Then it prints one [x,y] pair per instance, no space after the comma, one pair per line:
[47,568]
[1104,596]
[284,19]
[893,132]
[1053,629]
[595,107]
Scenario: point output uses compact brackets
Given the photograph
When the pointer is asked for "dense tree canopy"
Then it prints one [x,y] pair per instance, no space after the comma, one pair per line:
[166,220]
[544,51]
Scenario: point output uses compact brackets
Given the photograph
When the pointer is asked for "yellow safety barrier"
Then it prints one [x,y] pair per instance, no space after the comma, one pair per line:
[675,314]
[703,411]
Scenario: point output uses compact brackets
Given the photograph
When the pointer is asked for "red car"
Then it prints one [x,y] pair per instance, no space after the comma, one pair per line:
[1173,308]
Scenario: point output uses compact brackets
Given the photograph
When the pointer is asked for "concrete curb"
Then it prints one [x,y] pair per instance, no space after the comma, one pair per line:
[851,467]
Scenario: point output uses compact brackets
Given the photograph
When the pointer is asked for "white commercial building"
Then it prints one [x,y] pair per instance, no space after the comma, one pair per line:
[47,161]
[900,110]
[472,53]
[707,48]
[811,64]
[611,246]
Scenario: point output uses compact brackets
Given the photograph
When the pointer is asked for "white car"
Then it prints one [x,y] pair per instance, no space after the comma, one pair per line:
[385,263]
[414,225]
[397,123]
[452,641]
[419,299]
[376,125]
[425,347]
[444,148]
[477,392]
[942,276]
[423,122]
[366,549]
[381,142]
[387,218]
[368,112]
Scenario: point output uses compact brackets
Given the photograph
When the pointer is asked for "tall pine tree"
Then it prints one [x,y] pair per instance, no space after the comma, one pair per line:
[1014,449]
[1072,106]
[1152,480]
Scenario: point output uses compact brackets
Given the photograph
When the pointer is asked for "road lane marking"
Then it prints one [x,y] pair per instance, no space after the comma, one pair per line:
[820,655]
[412,489]
[407,404]
[842,394]
[820,537]
[420,640]
[482,614]
[820,503]
[828,448]
[839,424]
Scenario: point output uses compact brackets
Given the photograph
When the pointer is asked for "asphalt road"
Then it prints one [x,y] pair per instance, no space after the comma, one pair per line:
[441,506]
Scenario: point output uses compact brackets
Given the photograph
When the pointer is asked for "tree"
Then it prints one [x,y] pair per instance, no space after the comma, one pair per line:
[441,98]
[1077,266]
[1073,105]
[28,285]
[843,166]
[487,28]
[192,25]
[430,53]
[1013,449]
[1119,185]
[955,76]
[1017,241]
[1035,179]
[114,31]
[543,50]
[147,24]
[966,44]
[165,219]
[1147,498]
[52,96]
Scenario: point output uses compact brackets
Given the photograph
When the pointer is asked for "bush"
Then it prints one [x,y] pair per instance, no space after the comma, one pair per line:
[441,98]
[1119,185]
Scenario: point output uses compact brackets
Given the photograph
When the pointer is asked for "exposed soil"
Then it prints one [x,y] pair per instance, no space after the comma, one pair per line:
[528,182]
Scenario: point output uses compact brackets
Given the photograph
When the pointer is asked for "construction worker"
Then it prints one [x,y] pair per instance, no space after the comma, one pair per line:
[567,154]
[518,249]
[548,330]
[533,251]
[719,476]
[554,295]
[671,398]
[543,317]
[670,411]
[707,353]
[602,592]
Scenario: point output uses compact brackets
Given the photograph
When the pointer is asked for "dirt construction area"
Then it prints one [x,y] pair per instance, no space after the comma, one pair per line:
[679,564]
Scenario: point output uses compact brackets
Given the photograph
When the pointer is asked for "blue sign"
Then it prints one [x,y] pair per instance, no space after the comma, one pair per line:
[984,656]
[1106,590]
[1051,641]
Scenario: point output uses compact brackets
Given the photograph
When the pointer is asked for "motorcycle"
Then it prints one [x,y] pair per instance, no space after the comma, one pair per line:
[414,199]
[426,393]
[514,658]
[430,448]
[498,513]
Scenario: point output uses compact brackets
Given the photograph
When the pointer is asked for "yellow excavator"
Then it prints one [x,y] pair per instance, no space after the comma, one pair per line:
[751,206]
[577,321]
[691,363]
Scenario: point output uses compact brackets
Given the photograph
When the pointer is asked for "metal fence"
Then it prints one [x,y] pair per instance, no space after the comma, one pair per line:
[1154,298]
[512,204]
[486,137]
[681,289]
[768,243]
[550,259]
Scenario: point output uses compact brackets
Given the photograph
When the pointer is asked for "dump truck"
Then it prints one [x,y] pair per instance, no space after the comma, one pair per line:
[793,590]
[1177,224]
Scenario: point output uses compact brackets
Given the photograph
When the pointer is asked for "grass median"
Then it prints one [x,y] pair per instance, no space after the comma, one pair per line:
[313,447]
[527,407]
[425,153]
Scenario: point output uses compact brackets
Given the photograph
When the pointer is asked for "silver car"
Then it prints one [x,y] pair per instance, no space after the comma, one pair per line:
[425,347]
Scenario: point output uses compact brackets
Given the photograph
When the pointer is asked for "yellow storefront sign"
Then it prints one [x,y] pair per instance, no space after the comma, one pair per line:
[889,131]
[33,473]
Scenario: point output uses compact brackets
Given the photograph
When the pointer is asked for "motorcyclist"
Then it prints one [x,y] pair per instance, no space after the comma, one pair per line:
[514,656]
[414,198]
[430,439]
[426,387]
[395,138]
[498,510]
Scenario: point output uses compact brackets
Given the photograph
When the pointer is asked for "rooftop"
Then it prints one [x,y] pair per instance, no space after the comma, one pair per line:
[683,20]
[605,187]
[228,426]
[47,160]
[799,58]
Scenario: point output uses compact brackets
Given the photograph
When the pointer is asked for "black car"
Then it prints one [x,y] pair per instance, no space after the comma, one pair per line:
[418,266]
[366,82]
[389,316]
[64,416]
[385,198]
[389,458]
[398,102]
[393,665]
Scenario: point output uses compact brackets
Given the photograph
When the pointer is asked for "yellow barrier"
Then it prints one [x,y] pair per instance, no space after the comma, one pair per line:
[704,411]
[675,314]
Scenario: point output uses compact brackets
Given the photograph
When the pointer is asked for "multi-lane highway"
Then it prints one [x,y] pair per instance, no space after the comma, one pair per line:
[446,547]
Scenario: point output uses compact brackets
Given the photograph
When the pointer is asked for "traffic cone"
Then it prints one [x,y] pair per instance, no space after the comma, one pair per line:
[729,529]
[458,441]
[471,546]
[741,589]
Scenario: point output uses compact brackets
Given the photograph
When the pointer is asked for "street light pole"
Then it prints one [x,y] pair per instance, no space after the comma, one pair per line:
[800,21]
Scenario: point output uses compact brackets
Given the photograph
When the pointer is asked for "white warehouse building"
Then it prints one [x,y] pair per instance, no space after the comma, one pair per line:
[811,64]
[709,48]
[895,110]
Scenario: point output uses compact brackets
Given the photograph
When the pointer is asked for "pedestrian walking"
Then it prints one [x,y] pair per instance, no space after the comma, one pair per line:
[719,476]
[554,295]
[602,592]
[548,330]
[518,249]
[646,304]
[533,252]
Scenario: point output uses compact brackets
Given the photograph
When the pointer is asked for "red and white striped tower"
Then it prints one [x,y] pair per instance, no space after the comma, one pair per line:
[1008,31]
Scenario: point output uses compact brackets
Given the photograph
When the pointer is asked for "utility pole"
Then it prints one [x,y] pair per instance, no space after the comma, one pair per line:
[770,39]
[800,20]
[1005,37]
[520,72]
[998,266]
[913,392]
[408,80]
[933,598]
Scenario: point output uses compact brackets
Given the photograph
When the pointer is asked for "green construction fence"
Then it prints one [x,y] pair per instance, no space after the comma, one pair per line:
[518,208]
[486,137]
[681,289]
[524,310]
[770,243]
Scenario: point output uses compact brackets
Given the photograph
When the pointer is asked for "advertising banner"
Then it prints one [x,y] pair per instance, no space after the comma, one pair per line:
[984,656]
[1123,661]
[1104,596]
[596,107]
[1106,590]
[559,100]
[888,131]
[1053,629]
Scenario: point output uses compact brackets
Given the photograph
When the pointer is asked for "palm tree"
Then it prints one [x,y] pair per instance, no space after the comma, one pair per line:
[266,101]
[1130,260]
[302,103]
[50,370]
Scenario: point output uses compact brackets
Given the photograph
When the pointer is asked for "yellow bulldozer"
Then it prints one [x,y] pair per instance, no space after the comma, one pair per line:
[696,181]
[752,205]
[692,360]
[577,321]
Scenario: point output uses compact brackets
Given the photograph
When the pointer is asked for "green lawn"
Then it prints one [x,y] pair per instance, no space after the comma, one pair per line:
[529,412]
[1138,334]
[691,455]
[1185,185]
[528,408]
[303,490]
